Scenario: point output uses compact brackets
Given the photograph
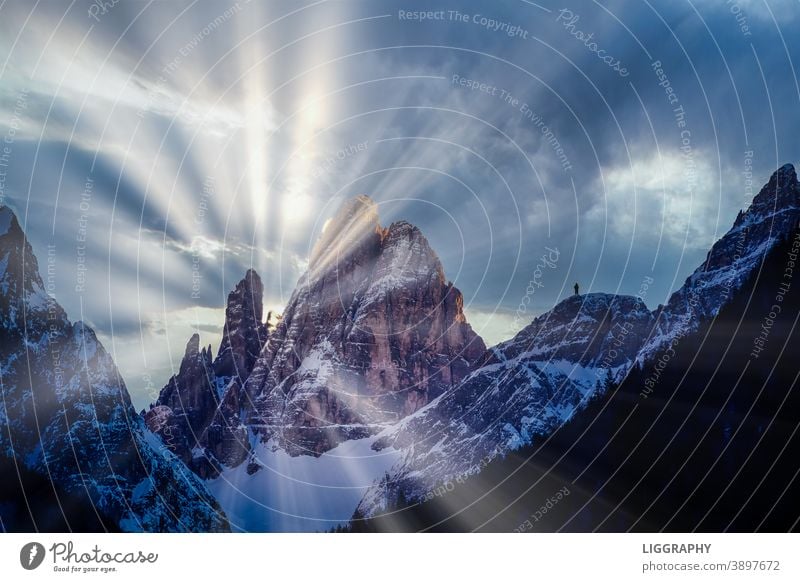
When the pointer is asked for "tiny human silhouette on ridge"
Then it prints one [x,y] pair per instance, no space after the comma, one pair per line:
[577,288]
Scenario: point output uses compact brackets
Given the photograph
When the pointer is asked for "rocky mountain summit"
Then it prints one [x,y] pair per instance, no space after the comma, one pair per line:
[198,409]
[244,334]
[68,420]
[373,332]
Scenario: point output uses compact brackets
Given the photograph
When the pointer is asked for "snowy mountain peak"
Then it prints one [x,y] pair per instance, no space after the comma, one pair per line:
[22,289]
[403,228]
[785,175]
[6,217]
[405,256]
[592,304]
[405,234]
[15,249]
[780,193]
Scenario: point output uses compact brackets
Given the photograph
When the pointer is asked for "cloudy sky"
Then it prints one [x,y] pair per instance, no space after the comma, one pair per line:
[164,147]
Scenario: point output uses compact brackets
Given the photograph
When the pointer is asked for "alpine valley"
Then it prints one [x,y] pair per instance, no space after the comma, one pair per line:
[370,404]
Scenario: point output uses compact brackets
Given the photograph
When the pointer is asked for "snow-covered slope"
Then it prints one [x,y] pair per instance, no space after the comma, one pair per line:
[527,387]
[299,493]
[773,213]
[67,415]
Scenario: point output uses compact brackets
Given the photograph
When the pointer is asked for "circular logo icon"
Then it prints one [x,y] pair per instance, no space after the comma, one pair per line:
[31,555]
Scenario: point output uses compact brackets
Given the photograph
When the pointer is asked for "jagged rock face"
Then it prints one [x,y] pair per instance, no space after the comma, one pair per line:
[187,403]
[226,439]
[68,415]
[372,333]
[197,412]
[527,387]
[733,258]
[22,291]
[244,333]
[192,390]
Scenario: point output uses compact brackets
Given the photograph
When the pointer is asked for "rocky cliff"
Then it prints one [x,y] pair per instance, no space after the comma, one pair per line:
[196,413]
[527,387]
[67,417]
[372,333]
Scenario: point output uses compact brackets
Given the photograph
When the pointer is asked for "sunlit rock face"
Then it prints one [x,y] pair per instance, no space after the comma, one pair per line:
[67,417]
[525,388]
[372,333]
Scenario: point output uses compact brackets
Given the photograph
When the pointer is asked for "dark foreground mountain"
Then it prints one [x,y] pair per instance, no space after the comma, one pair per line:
[74,454]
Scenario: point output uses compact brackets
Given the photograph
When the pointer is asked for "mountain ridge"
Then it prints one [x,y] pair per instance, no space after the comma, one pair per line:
[300,395]
[70,422]
[553,391]
[372,332]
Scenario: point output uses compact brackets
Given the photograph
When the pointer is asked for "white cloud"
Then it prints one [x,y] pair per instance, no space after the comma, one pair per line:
[680,200]
[494,326]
